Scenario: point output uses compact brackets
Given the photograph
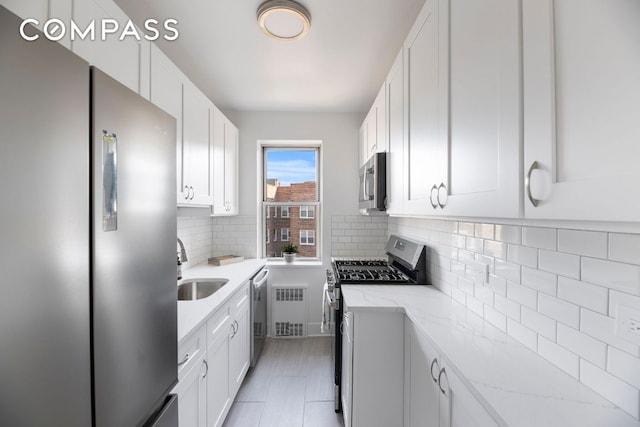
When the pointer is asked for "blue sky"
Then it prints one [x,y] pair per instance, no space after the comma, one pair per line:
[291,166]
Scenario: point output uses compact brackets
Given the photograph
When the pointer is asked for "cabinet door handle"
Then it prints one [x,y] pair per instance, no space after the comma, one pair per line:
[434,362]
[442,372]
[233,330]
[527,184]
[434,188]
[186,192]
[237,326]
[441,186]
[206,369]
[193,193]
[186,358]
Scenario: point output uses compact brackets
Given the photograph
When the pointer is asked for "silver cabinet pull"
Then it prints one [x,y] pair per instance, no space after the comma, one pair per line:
[193,193]
[441,186]
[233,330]
[442,372]
[186,358]
[206,369]
[434,188]
[237,326]
[186,192]
[527,184]
[434,362]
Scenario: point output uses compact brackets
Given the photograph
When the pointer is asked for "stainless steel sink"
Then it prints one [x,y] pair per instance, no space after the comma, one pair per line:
[194,289]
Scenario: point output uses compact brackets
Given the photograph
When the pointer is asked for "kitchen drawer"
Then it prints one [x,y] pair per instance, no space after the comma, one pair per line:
[218,323]
[190,351]
[241,297]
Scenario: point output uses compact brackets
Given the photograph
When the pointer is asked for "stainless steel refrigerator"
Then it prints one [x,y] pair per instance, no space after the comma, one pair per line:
[87,244]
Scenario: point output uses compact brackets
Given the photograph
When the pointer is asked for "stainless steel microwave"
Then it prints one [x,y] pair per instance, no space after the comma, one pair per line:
[373,184]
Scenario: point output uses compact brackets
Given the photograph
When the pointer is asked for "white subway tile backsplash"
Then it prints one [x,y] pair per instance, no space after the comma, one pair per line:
[616,298]
[358,236]
[495,249]
[554,290]
[624,366]
[522,334]
[538,237]
[522,295]
[484,231]
[563,359]
[583,294]
[466,228]
[587,243]
[507,307]
[524,255]
[541,324]
[615,275]
[509,233]
[604,329]
[588,348]
[624,248]
[612,388]
[559,263]
[562,311]
[496,318]
[507,270]
[540,280]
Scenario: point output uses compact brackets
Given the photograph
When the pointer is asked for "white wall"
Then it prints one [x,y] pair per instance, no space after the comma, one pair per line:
[554,289]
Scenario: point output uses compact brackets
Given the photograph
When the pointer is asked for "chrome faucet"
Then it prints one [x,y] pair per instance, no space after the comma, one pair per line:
[183,252]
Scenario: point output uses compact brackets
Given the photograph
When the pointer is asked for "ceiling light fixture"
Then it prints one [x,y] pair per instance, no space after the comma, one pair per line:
[284,19]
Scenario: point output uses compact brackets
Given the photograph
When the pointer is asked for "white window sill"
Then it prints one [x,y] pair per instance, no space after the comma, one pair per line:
[296,264]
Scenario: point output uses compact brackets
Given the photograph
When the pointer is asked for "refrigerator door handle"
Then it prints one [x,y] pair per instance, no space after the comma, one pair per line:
[109,181]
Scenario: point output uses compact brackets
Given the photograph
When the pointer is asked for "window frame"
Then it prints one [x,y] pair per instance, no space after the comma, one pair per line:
[262,150]
[313,237]
[288,239]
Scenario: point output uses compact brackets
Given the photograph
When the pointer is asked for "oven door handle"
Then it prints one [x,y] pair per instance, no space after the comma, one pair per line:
[331,300]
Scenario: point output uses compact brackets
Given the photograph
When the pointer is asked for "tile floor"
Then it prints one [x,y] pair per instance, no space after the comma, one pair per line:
[291,386]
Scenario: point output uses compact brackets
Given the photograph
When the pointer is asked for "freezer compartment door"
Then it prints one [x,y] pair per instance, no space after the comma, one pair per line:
[134,291]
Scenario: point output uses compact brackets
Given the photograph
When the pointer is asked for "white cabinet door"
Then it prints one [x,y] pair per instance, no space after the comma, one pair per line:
[422,397]
[225,165]
[219,399]
[127,60]
[396,127]
[363,147]
[484,109]
[581,109]
[197,150]
[239,347]
[463,410]
[231,168]
[425,154]
[376,394]
[380,107]
[166,93]
[192,395]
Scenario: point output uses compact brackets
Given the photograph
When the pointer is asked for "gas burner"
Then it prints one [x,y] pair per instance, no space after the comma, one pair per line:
[343,263]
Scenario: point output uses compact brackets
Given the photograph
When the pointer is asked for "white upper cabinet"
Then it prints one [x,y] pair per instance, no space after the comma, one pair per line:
[425,154]
[197,147]
[225,165]
[373,132]
[395,128]
[166,93]
[127,60]
[484,139]
[582,109]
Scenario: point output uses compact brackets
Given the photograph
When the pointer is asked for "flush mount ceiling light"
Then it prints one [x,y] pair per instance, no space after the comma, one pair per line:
[284,19]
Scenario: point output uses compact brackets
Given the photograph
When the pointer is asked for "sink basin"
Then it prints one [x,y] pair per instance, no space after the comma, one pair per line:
[194,289]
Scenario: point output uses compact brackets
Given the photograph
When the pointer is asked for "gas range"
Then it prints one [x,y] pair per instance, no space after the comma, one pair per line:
[357,271]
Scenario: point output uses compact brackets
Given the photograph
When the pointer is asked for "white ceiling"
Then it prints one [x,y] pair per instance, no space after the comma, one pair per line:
[338,67]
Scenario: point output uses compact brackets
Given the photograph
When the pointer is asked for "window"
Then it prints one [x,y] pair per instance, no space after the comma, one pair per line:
[275,235]
[291,183]
[267,236]
[307,237]
[307,211]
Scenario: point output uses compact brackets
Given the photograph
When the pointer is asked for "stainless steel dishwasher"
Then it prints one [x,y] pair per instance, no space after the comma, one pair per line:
[258,313]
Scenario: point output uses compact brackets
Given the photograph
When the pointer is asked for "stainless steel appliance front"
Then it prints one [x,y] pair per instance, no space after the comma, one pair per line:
[373,184]
[258,313]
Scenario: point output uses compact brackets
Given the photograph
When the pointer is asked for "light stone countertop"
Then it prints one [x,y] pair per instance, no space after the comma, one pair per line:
[514,384]
[192,314]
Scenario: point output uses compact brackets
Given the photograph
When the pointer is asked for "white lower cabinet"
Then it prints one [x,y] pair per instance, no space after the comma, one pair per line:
[372,381]
[434,394]
[209,381]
